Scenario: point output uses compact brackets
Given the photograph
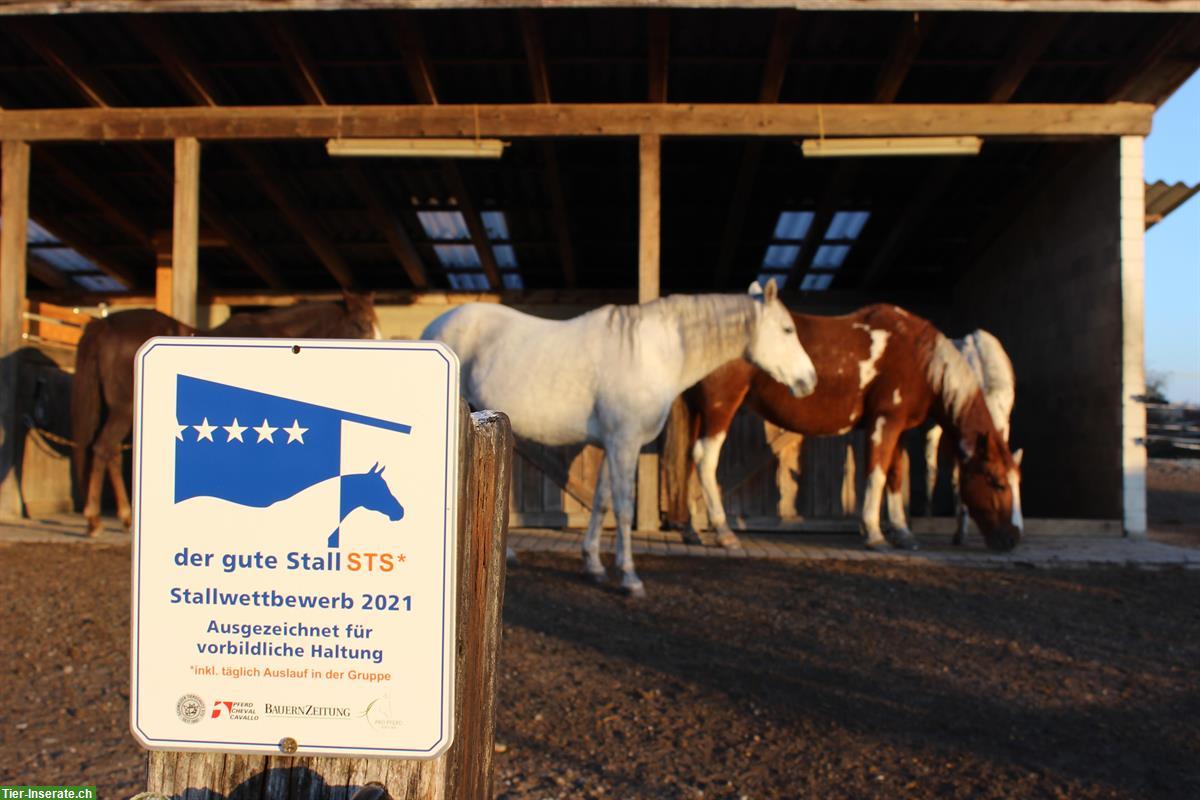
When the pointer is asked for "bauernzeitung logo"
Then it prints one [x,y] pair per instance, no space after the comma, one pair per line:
[309,710]
[190,709]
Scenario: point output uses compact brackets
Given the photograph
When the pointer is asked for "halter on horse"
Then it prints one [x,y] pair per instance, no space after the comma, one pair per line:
[102,390]
[610,376]
[884,370]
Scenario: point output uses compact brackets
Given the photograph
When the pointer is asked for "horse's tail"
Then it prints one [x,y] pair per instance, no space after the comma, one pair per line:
[85,400]
[679,435]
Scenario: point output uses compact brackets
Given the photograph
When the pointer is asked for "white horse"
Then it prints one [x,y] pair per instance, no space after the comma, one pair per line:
[994,371]
[609,377]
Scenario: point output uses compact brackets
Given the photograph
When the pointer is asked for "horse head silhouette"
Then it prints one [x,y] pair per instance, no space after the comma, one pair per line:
[370,491]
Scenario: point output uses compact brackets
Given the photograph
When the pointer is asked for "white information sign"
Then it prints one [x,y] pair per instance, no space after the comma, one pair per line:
[294,546]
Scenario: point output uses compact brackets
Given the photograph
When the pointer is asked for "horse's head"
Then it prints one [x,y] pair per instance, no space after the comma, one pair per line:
[990,484]
[361,321]
[370,491]
[774,347]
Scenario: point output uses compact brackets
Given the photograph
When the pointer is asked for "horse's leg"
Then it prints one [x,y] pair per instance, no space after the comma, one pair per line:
[933,440]
[105,451]
[707,454]
[116,476]
[622,463]
[880,448]
[601,501]
[902,537]
[964,516]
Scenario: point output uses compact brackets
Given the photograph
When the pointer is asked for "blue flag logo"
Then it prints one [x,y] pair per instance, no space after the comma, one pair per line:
[256,449]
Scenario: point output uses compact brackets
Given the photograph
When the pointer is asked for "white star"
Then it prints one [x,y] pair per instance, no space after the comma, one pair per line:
[265,432]
[296,433]
[179,429]
[234,430]
[204,430]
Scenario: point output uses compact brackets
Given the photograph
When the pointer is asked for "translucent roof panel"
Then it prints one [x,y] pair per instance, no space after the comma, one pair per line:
[496,225]
[98,283]
[468,281]
[780,256]
[793,224]
[830,256]
[458,256]
[444,226]
[512,280]
[36,234]
[847,225]
[506,257]
[816,282]
[64,259]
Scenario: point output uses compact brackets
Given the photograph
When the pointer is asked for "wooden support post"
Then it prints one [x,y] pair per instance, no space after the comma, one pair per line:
[14,218]
[463,772]
[1133,327]
[649,231]
[185,232]
[650,217]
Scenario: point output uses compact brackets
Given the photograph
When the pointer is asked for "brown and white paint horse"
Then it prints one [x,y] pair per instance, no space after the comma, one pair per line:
[885,370]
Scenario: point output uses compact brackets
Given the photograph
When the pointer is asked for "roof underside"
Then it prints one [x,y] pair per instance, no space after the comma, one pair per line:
[277,214]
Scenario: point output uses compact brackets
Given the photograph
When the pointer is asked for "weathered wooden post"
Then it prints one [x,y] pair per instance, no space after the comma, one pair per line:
[465,769]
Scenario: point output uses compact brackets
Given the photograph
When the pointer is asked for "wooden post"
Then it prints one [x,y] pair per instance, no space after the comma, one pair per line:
[185,231]
[464,772]
[1133,328]
[650,204]
[163,298]
[14,219]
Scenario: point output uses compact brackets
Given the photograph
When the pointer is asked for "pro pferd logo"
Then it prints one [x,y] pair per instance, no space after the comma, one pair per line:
[294,546]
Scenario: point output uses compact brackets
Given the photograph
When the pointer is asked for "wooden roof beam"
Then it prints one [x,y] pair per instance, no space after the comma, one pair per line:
[302,70]
[190,77]
[420,75]
[1034,121]
[901,57]
[658,54]
[1029,45]
[774,73]
[539,81]
[56,48]
[1124,84]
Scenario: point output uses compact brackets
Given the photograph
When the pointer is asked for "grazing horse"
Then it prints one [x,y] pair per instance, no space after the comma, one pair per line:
[884,370]
[610,376]
[993,369]
[102,390]
[366,490]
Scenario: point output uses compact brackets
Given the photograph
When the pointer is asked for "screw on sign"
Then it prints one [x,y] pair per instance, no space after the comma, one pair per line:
[318,570]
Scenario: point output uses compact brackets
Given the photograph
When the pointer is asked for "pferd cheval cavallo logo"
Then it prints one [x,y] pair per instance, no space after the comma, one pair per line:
[238,451]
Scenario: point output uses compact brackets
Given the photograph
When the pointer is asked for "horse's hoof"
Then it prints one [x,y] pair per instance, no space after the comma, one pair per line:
[729,540]
[127,523]
[691,535]
[904,540]
[876,546]
[595,577]
[94,527]
[634,588]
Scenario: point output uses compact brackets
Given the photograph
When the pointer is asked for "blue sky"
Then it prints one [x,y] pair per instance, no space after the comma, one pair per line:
[1173,249]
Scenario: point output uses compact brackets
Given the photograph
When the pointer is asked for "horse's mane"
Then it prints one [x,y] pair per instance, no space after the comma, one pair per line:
[950,376]
[709,323]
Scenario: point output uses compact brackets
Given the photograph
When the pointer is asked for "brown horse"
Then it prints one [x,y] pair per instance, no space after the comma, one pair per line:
[882,369]
[102,390]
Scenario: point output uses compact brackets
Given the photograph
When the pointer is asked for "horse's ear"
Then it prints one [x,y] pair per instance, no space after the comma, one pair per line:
[771,292]
[1019,456]
[755,290]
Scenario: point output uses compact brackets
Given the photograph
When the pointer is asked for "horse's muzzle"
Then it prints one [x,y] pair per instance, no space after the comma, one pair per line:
[803,387]
[1004,539]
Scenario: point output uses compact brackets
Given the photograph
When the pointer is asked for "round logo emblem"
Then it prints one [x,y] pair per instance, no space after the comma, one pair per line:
[190,709]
